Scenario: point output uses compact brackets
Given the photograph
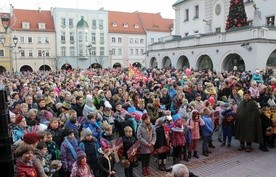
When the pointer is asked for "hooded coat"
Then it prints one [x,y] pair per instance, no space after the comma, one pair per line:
[248,126]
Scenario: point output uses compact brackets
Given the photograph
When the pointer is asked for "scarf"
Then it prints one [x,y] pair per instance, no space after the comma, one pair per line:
[69,143]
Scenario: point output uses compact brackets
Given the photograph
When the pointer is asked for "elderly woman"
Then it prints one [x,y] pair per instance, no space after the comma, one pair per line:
[179,170]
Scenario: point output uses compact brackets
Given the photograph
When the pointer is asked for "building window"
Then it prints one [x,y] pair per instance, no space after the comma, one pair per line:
[141,51]
[26,25]
[131,40]
[186,15]
[72,51]
[39,40]
[22,53]
[141,41]
[119,40]
[270,20]
[47,53]
[62,37]
[218,30]
[113,51]
[101,24]
[131,52]
[113,39]
[136,41]
[86,36]
[93,38]
[196,12]
[80,37]
[152,40]
[39,53]
[114,24]
[136,26]
[41,26]
[102,38]
[22,39]
[72,37]
[71,22]
[94,24]
[30,40]
[1,53]
[249,22]
[63,22]
[30,53]
[101,51]
[120,52]
[93,51]
[125,25]
[47,41]
[63,51]
[248,1]
[80,50]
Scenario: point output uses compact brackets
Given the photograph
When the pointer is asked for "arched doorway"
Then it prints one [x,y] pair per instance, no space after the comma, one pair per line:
[182,62]
[271,62]
[233,60]
[117,65]
[44,68]
[2,69]
[153,63]
[204,63]
[95,66]
[137,65]
[26,68]
[66,67]
[166,62]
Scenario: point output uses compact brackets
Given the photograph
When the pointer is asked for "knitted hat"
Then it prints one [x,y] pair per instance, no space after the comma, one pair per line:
[144,116]
[105,144]
[176,117]
[84,133]
[58,105]
[18,119]
[46,114]
[197,94]
[80,155]
[31,138]
[247,92]
[161,120]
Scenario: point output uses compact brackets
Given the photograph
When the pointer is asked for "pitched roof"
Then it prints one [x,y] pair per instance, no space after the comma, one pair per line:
[34,17]
[119,20]
[155,22]
[178,2]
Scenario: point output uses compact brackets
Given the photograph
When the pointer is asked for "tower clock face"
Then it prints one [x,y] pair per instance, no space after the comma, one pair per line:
[218,9]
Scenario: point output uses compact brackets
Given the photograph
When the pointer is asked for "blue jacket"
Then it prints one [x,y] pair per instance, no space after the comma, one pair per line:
[207,129]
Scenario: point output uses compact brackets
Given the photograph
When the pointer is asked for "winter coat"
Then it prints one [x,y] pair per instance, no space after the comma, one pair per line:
[195,128]
[74,127]
[165,100]
[229,117]
[57,135]
[146,138]
[178,137]
[128,143]
[248,124]
[66,156]
[106,164]
[25,170]
[80,171]
[207,129]
[91,150]
[17,134]
[94,127]
[162,138]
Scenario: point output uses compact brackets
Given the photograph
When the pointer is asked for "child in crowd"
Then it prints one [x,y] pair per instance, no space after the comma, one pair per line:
[162,145]
[228,121]
[128,141]
[80,166]
[90,146]
[19,129]
[42,136]
[177,137]
[52,147]
[107,134]
[194,123]
[106,160]
[72,124]
[56,131]
[42,155]
[107,116]
[92,125]
[207,131]
[68,152]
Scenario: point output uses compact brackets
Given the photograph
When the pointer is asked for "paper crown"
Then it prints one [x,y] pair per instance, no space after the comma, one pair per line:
[141,101]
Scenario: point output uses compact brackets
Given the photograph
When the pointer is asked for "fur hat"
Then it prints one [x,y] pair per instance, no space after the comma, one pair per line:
[18,119]
[58,105]
[176,117]
[84,133]
[22,149]
[80,155]
[31,138]
[105,144]
[46,114]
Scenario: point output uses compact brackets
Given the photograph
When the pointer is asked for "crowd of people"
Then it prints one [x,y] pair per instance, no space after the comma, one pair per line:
[81,122]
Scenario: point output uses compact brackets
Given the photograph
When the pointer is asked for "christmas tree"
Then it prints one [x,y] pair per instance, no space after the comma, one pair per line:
[237,16]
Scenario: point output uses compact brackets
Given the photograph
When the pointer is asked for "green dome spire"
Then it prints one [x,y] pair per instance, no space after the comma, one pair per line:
[82,23]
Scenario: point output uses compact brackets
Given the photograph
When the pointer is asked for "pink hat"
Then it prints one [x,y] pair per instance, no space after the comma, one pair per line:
[105,144]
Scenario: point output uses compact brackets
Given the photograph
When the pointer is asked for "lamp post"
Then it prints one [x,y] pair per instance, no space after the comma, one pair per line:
[7,158]
[43,59]
[89,47]
[110,57]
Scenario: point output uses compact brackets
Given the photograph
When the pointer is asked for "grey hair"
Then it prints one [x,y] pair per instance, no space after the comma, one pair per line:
[180,170]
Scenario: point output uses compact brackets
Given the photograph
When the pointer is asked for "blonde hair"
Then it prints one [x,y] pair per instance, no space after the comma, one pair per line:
[23,105]
[106,126]
[127,128]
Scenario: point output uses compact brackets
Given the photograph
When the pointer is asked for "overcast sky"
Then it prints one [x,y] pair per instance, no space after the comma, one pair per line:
[152,6]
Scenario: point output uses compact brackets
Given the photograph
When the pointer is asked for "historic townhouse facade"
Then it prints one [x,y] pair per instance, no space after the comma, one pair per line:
[201,41]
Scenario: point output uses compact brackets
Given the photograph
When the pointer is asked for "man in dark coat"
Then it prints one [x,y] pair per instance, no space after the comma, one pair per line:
[248,123]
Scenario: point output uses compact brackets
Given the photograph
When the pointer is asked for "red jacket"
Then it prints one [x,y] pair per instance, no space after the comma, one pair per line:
[24,170]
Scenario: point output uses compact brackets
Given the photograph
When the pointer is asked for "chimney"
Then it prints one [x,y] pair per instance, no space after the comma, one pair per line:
[39,9]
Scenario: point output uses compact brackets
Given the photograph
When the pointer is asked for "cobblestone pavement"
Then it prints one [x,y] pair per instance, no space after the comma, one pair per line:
[223,162]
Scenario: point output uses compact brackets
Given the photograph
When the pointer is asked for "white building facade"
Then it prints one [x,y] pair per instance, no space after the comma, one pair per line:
[201,41]
[81,38]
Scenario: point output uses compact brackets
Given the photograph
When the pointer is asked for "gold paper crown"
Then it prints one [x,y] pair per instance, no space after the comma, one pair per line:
[141,101]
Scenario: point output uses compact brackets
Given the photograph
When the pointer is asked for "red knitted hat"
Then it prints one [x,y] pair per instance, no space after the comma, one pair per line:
[18,119]
[144,116]
[31,138]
